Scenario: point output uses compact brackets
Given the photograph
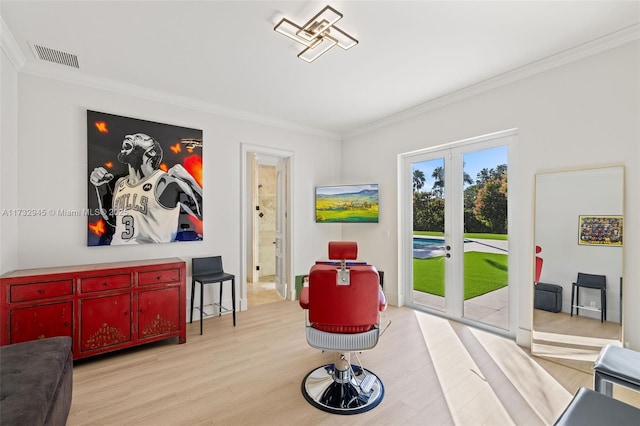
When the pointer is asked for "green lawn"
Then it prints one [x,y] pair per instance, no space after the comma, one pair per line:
[483,273]
[466,235]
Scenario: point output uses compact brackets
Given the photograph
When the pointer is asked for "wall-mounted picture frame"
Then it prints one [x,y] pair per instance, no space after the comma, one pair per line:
[144,181]
[600,231]
[347,203]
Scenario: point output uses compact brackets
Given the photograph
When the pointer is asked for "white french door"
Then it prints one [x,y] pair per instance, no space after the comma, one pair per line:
[454,230]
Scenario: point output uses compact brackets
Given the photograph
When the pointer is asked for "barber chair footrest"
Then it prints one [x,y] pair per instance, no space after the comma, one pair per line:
[367,383]
[361,393]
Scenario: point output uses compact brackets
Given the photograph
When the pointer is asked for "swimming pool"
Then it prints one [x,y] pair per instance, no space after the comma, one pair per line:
[427,242]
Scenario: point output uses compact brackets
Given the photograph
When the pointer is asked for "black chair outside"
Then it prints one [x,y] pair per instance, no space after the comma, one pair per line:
[598,282]
[209,270]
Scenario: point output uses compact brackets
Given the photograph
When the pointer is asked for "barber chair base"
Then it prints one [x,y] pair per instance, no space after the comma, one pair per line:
[350,392]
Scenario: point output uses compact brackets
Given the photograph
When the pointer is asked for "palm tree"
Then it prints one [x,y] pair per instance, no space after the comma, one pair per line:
[418,180]
[438,184]
[466,178]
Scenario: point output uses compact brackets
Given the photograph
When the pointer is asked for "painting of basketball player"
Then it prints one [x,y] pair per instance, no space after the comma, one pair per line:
[144,203]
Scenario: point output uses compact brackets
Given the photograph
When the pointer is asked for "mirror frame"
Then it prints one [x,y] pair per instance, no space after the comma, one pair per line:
[567,171]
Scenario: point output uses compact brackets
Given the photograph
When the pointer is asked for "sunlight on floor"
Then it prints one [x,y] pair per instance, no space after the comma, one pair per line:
[477,370]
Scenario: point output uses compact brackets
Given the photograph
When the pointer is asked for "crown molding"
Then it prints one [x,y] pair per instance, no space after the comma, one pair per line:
[583,50]
[73,76]
[76,77]
[10,47]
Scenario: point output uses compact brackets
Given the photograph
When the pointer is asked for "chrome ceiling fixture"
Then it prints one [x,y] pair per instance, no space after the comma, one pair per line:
[318,35]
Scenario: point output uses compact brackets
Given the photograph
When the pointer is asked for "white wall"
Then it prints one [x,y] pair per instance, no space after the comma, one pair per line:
[8,165]
[51,173]
[584,113]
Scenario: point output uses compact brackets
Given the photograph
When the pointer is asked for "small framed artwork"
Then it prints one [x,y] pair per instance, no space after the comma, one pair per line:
[347,204]
[600,231]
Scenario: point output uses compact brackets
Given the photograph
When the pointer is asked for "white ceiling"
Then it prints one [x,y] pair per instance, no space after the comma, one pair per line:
[225,55]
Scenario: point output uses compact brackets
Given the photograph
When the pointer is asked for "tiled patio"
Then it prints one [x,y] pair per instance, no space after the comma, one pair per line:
[490,308]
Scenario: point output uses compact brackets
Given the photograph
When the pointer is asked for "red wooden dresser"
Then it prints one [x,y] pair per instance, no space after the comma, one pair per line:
[103,307]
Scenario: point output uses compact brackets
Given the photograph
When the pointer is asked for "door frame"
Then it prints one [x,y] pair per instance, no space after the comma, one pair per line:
[405,231]
[246,209]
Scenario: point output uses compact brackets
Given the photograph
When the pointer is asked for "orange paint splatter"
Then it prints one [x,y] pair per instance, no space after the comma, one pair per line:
[196,223]
[101,126]
[193,164]
[98,228]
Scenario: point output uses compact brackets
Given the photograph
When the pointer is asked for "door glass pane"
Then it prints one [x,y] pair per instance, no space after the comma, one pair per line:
[485,271]
[428,234]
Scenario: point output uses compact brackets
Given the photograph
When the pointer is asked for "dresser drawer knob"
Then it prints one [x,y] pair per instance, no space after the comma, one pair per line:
[41,291]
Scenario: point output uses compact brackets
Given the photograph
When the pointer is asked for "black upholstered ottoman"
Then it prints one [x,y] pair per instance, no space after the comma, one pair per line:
[547,297]
[36,381]
[590,408]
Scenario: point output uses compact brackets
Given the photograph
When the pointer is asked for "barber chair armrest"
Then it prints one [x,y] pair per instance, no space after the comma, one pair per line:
[304,298]
[382,301]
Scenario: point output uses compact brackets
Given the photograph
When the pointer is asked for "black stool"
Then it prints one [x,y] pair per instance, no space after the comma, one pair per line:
[209,270]
[598,282]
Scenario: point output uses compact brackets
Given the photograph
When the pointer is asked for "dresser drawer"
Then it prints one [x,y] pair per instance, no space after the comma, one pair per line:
[105,282]
[159,277]
[41,290]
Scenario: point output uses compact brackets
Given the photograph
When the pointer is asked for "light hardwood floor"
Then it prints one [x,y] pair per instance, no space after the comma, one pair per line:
[262,292]
[575,341]
[435,372]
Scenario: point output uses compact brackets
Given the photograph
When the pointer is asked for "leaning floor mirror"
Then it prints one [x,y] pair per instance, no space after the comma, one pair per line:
[578,283]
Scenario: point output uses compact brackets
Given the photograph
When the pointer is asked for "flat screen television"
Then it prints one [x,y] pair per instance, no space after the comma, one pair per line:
[347,203]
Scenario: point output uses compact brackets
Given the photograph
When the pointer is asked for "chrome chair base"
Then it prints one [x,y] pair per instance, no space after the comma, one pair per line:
[352,391]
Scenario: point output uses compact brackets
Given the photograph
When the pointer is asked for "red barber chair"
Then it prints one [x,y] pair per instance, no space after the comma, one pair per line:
[539,262]
[343,304]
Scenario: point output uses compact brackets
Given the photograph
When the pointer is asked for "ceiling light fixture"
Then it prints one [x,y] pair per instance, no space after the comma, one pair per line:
[319,34]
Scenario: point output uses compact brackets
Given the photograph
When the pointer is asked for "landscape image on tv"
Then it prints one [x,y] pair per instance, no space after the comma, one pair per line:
[347,204]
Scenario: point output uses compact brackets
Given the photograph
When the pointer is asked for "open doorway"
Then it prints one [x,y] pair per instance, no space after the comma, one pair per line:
[261,285]
[266,237]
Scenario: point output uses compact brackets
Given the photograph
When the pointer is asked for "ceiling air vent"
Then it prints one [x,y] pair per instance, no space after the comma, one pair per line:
[57,56]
